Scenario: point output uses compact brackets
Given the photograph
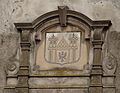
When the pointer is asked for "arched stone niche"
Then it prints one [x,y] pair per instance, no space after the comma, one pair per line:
[65,47]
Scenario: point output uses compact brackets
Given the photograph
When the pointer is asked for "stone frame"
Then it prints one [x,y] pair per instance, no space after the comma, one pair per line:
[60,16]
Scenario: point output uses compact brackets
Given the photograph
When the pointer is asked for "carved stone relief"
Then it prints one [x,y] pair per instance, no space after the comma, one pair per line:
[55,52]
[12,67]
[109,64]
[62,49]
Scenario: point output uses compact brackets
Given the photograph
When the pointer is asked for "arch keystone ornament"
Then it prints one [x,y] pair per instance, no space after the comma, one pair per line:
[60,46]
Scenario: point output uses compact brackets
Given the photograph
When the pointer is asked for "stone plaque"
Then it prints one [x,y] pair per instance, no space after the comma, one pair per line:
[66,49]
[62,48]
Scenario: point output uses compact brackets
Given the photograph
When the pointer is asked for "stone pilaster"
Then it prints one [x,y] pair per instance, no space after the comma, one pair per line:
[23,74]
[96,73]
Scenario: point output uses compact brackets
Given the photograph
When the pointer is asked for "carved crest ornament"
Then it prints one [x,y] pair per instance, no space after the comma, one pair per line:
[62,48]
[62,45]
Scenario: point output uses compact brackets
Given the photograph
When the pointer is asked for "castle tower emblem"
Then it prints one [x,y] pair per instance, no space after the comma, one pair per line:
[62,48]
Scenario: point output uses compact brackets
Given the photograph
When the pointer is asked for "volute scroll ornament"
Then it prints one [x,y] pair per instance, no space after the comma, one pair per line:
[109,64]
[12,68]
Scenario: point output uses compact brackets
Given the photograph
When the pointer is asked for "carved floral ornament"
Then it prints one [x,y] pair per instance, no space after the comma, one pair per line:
[60,48]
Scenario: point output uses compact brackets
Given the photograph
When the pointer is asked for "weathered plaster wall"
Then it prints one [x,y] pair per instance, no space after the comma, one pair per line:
[27,10]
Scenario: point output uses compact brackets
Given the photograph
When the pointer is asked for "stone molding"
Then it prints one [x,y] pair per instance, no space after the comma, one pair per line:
[62,16]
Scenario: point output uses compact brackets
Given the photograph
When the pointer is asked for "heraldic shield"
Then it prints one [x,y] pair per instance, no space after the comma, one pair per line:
[62,47]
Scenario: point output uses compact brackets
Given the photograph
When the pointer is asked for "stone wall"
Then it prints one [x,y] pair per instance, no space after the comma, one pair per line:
[12,11]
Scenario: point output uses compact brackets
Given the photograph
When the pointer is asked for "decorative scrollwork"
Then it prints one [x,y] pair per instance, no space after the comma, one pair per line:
[11,66]
[109,64]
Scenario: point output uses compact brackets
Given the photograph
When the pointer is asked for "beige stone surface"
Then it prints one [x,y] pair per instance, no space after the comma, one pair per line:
[59,90]
[64,82]
[27,10]
[42,52]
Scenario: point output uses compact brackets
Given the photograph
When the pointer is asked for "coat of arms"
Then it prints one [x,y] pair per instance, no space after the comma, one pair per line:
[62,48]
